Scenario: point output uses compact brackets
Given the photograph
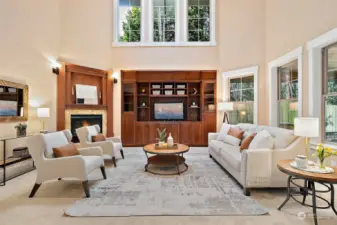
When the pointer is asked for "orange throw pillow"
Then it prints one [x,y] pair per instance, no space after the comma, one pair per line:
[98,138]
[246,142]
[236,132]
[67,150]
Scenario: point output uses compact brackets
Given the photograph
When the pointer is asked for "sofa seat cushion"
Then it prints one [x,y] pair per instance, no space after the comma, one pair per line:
[232,155]
[217,146]
[93,162]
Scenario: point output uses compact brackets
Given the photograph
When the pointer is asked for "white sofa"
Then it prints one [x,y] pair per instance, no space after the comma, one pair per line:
[257,168]
[48,167]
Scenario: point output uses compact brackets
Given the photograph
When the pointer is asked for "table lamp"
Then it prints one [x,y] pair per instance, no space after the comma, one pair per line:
[43,113]
[307,127]
[225,107]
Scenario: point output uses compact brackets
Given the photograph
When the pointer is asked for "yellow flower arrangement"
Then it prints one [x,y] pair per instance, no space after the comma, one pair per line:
[324,152]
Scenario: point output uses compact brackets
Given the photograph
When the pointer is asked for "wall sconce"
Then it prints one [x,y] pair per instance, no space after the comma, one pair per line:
[56,70]
[55,66]
[115,76]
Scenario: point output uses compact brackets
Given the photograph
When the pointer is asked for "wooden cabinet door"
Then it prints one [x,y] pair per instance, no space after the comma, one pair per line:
[142,134]
[184,133]
[208,125]
[128,128]
[194,132]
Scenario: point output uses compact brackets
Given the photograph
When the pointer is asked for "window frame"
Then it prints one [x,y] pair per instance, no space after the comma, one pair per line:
[248,71]
[279,99]
[181,26]
[241,90]
[324,92]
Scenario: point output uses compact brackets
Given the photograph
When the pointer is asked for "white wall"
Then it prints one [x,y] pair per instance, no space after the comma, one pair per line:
[29,34]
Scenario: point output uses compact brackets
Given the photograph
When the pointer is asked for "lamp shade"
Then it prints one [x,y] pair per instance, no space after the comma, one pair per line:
[43,112]
[306,127]
[225,106]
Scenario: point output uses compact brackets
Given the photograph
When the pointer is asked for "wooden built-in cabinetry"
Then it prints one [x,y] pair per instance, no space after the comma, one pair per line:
[142,89]
[69,76]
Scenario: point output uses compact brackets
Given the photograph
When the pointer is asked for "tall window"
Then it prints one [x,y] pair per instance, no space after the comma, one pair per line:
[242,94]
[330,93]
[199,20]
[129,12]
[287,95]
[164,21]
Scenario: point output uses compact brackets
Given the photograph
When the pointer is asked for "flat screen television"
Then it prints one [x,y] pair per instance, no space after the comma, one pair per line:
[8,108]
[169,111]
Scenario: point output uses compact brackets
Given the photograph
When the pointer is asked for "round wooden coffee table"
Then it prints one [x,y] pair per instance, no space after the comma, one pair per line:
[164,158]
[327,180]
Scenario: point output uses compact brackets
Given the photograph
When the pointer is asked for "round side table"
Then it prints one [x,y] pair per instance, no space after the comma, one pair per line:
[327,180]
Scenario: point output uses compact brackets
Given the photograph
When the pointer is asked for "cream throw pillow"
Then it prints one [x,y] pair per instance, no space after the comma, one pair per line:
[223,131]
[231,140]
[263,139]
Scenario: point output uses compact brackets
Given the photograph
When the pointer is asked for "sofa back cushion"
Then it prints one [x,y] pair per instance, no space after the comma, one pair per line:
[283,137]
[262,140]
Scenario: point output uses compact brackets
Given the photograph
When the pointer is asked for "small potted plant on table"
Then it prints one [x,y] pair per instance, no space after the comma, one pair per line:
[162,137]
[21,129]
[322,153]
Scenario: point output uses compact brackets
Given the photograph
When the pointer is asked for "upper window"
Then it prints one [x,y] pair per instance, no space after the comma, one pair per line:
[330,93]
[164,22]
[242,94]
[129,12]
[287,95]
[199,20]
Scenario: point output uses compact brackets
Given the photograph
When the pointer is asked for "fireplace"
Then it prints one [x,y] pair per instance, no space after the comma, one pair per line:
[78,121]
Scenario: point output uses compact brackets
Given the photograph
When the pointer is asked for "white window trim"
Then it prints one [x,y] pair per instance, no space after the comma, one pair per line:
[116,24]
[296,54]
[181,27]
[241,73]
[314,48]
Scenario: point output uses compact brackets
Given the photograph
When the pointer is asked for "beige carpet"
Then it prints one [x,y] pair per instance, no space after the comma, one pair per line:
[55,196]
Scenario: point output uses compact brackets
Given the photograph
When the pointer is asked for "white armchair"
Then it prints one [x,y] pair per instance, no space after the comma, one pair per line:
[48,167]
[112,146]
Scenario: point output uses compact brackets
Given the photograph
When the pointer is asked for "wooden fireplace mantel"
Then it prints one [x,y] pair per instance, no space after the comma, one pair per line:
[69,76]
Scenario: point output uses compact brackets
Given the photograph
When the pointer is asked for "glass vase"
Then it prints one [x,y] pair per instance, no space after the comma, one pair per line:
[321,163]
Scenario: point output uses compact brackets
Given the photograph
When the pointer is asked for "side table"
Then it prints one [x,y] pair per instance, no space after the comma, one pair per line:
[10,161]
[310,179]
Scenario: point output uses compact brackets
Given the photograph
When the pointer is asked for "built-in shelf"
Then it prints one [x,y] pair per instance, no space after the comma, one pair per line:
[168,96]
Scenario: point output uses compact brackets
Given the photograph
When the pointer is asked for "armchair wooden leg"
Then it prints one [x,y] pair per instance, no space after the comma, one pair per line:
[103,172]
[34,190]
[114,161]
[122,153]
[86,188]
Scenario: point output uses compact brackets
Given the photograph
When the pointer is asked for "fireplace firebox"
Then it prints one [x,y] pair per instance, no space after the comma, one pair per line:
[78,121]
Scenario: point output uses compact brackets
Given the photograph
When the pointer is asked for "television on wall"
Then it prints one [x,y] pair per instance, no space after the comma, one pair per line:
[8,108]
[169,111]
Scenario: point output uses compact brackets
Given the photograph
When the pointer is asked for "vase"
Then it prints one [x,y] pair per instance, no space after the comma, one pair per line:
[170,141]
[321,163]
[20,132]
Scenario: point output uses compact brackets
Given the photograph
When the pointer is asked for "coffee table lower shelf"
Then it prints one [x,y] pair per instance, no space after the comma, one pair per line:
[165,161]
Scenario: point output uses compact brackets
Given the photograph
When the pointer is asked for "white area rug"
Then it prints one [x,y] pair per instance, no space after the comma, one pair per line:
[205,189]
